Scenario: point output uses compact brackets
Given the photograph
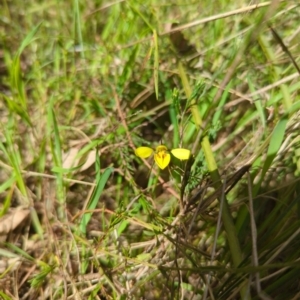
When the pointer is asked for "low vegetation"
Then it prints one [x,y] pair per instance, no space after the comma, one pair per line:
[98,199]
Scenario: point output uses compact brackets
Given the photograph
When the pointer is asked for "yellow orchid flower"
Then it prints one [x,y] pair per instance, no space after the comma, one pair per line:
[162,156]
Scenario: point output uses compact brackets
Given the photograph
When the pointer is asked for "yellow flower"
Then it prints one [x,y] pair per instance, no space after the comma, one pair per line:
[162,156]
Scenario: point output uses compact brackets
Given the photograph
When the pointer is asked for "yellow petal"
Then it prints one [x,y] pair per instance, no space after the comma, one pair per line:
[181,153]
[162,158]
[143,152]
[161,148]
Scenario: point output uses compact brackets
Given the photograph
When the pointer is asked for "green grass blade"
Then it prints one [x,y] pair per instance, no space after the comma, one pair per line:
[56,149]
[174,115]
[101,181]
[4,296]
[13,156]
[258,105]
[7,202]
[28,39]
[274,146]
[156,62]
[270,55]
[16,76]
[77,28]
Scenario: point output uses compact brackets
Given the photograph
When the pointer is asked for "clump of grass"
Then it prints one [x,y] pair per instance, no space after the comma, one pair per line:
[83,85]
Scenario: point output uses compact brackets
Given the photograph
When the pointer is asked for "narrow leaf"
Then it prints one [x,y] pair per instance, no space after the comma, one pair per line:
[156,58]
[100,184]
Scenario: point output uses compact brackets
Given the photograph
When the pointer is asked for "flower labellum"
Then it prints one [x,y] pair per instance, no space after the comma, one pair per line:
[162,156]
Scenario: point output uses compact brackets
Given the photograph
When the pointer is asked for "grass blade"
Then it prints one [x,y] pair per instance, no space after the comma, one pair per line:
[101,181]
